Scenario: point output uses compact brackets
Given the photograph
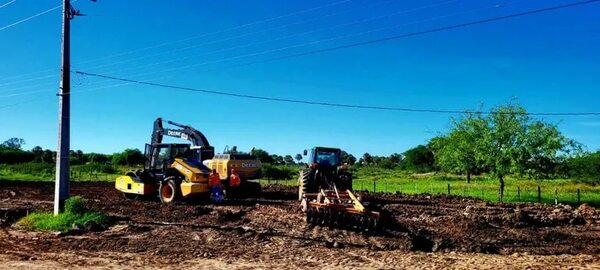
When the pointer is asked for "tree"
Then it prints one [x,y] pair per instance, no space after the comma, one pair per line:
[460,151]
[418,159]
[49,156]
[262,155]
[348,158]
[37,152]
[130,157]
[513,142]
[13,143]
[288,159]
[277,160]
[298,158]
[366,159]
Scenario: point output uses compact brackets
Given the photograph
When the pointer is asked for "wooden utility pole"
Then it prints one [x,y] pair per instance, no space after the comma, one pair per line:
[61,189]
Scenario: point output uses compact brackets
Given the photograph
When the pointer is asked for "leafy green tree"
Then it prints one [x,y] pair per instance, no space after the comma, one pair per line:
[513,142]
[277,160]
[13,143]
[288,159]
[298,158]
[348,158]
[418,159]
[37,152]
[585,166]
[130,157]
[262,155]
[460,151]
[366,159]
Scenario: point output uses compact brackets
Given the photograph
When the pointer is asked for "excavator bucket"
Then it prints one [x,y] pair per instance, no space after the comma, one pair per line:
[340,209]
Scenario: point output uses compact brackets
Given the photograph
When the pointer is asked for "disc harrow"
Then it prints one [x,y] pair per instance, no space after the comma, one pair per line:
[341,210]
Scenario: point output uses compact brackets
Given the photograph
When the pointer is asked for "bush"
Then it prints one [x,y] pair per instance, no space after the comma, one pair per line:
[279,172]
[14,156]
[75,205]
[96,168]
[30,168]
[75,215]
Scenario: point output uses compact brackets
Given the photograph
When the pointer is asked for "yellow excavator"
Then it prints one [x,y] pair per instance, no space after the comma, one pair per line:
[173,171]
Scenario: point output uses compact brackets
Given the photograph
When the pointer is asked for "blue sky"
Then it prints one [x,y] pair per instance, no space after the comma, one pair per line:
[549,61]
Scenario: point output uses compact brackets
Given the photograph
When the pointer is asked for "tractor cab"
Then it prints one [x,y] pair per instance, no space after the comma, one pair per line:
[324,157]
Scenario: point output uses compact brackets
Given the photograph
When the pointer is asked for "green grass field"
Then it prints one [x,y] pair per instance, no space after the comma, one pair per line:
[516,190]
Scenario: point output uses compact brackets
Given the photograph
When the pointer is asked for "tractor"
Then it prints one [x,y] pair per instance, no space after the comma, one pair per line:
[325,193]
[324,171]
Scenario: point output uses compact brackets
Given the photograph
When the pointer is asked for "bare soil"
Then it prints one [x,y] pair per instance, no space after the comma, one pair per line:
[270,231]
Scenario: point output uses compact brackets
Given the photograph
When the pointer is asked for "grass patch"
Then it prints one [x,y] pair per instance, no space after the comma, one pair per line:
[481,187]
[46,172]
[74,216]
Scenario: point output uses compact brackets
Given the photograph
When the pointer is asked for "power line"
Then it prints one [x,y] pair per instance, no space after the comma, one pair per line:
[292,46]
[418,33]
[329,27]
[218,31]
[361,21]
[30,17]
[6,4]
[177,41]
[307,102]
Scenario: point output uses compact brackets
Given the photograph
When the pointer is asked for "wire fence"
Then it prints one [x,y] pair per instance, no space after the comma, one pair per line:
[547,192]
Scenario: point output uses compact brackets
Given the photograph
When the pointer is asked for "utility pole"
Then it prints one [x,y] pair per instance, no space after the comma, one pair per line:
[61,188]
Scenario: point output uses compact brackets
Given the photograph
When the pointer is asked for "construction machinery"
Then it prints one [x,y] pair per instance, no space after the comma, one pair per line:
[180,170]
[325,193]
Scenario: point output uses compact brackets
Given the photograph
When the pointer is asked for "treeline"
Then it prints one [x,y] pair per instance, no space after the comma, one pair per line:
[506,141]
[12,152]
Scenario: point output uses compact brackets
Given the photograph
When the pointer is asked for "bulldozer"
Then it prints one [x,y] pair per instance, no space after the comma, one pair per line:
[176,170]
[325,193]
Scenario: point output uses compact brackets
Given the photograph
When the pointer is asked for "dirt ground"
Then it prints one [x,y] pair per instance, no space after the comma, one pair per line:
[423,232]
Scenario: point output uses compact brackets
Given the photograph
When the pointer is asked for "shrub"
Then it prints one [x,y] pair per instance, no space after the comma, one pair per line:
[75,205]
[278,172]
[75,215]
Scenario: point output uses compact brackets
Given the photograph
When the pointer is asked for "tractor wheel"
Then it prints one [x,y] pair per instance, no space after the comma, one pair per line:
[307,184]
[168,190]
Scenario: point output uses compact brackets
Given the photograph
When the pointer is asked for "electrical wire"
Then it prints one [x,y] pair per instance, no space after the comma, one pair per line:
[362,21]
[29,18]
[177,41]
[217,32]
[294,45]
[308,102]
[8,3]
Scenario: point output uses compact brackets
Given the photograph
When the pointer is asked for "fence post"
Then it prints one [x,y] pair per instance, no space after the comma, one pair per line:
[448,188]
[555,195]
[578,197]
[518,194]
[539,194]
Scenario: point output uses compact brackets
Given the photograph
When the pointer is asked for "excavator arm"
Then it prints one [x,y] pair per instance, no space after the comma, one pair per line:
[184,132]
[200,145]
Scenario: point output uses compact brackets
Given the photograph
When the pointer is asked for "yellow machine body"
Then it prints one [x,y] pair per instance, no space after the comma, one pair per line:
[196,180]
[224,163]
[134,185]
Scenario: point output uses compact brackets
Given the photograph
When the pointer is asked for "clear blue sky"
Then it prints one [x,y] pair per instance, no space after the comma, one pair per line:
[549,61]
